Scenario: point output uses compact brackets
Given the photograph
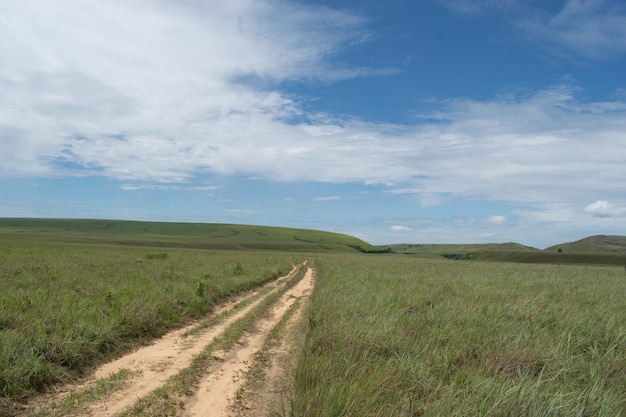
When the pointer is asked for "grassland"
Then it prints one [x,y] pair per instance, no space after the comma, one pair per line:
[65,307]
[183,235]
[451,249]
[391,335]
[404,336]
[595,250]
[551,257]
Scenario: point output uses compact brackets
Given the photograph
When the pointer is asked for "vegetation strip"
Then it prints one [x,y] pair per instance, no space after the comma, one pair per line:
[77,401]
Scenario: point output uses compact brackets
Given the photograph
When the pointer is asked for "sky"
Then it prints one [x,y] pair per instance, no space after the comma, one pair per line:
[431,121]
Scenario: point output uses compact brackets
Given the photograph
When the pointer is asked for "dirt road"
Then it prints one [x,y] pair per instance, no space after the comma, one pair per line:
[220,392]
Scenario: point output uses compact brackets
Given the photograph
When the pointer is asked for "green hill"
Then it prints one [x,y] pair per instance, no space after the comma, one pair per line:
[594,244]
[455,250]
[553,257]
[187,235]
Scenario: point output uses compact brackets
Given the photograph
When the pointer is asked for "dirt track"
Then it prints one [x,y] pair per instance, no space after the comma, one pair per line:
[152,366]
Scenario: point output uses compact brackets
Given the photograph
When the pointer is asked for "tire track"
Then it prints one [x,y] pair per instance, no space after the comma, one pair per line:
[216,393]
[153,365]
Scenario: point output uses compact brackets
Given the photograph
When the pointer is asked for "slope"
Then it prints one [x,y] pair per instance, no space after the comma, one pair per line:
[185,235]
[598,243]
[452,249]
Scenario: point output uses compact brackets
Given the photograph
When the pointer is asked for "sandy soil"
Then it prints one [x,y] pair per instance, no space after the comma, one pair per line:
[152,365]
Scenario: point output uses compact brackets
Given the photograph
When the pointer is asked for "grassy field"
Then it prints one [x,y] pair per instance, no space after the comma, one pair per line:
[439,249]
[552,257]
[183,235]
[392,335]
[65,307]
[404,336]
[593,250]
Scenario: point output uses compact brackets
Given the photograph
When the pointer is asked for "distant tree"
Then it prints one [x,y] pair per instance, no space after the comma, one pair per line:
[560,250]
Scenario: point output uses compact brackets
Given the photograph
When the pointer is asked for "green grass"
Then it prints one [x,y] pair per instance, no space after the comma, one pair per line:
[66,307]
[75,403]
[184,235]
[404,336]
[387,334]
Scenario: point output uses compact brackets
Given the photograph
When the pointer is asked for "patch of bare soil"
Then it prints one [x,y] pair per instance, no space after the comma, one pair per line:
[150,367]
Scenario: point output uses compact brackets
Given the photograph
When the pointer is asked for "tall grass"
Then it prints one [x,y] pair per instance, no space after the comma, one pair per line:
[398,336]
[64,307]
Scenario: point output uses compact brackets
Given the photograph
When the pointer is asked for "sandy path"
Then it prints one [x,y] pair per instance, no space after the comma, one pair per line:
[152,365]
[269,395]
[216,392]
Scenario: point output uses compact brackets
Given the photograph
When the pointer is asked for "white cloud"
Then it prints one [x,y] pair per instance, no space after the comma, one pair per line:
[497,219]
[328,198]
[590,29]
[130,89]
[241,211]
[164,187]
[158,94]
[398,228]
[603,208]
[474,8]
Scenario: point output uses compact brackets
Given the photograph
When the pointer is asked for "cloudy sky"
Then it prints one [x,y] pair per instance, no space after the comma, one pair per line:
[429,121]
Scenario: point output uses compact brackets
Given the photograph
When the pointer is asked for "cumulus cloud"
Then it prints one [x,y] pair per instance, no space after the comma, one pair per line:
[131,89]
[398,228]
[603,208]
[166,92]
[496,219]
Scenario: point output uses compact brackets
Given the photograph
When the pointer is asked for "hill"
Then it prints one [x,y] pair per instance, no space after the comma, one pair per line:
[594,244]
[186,235]
[594,250]
[455,250]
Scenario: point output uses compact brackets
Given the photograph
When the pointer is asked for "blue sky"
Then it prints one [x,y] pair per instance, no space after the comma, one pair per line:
[434,121]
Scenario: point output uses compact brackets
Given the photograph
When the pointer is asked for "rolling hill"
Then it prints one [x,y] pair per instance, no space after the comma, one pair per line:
[186,235]
[455,249]
[598,243]
[599,250]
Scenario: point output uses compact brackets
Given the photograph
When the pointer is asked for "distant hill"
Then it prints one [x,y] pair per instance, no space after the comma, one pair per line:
[455,249]
[599,250]
[187,235]
[598,243]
